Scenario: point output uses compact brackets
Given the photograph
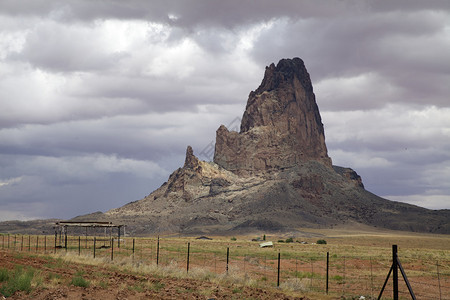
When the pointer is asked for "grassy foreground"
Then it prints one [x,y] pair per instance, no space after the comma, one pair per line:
[358,264]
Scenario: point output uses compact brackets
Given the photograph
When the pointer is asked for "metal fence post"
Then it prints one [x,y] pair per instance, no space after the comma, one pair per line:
[394,269]
[394,272]
[112,249]
[187,264]
[228,256]
[278,274]
[328,265]
[439,279]
[157,252]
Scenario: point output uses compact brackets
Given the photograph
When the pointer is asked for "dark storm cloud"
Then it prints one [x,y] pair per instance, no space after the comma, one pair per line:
[188,13]
[99,99]
[395,50]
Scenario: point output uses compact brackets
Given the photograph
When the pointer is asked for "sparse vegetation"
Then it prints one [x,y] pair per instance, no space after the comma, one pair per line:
[18,280]
[78,280]
[157,285]
[302,265]
[4,275]
[139,287]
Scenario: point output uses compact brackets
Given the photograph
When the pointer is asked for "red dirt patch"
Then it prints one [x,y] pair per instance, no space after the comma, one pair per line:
[109,283]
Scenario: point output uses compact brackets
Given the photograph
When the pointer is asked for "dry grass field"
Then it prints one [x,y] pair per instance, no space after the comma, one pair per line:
[359,261]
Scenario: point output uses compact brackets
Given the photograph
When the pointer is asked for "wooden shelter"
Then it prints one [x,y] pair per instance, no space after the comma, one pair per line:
[62,227]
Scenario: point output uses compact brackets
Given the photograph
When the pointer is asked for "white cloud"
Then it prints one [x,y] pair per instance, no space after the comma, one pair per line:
[427,201]
[84,168]
[362,92]
[24,213]
[359,160]
[10,181]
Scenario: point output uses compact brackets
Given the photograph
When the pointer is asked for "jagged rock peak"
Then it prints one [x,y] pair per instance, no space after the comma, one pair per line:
[289,83]
[281,126]
[191,161]
[283,72]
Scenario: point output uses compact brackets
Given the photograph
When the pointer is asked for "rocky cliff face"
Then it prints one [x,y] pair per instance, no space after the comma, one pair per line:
[281,126]
[275,174]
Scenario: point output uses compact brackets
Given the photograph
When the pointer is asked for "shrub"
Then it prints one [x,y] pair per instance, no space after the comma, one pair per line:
[280,241]
[233,238]
[289,240]
[323,242]
[264,237]
[138,288]
[157,286]
[20,280]
[4,275]
[78,280]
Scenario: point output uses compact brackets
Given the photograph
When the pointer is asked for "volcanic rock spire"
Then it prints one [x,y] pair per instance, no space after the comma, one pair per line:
[273,175]
[281,126]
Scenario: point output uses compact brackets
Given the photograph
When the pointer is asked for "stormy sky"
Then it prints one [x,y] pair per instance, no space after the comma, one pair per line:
[99,99]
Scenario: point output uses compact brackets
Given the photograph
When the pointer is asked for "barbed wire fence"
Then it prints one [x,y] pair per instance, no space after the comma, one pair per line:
[341,274]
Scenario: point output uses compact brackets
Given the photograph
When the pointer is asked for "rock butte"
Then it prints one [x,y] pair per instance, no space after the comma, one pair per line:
[273,175]
[281,126]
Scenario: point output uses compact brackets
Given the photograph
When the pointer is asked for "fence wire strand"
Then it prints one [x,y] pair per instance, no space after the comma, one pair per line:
[348,275]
